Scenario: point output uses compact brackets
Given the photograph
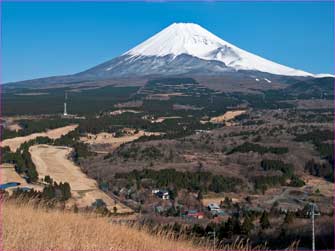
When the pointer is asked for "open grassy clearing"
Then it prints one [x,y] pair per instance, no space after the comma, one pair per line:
[112,142]
[229,115]
[53,161]
[14,143]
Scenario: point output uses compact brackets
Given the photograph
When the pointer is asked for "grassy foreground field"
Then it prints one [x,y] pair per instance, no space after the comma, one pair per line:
[28,228]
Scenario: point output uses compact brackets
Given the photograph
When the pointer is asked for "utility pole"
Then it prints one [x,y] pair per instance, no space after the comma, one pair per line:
[214,238]
[313,214]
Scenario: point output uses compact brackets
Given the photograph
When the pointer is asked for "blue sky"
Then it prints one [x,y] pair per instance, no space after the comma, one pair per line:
[44,39]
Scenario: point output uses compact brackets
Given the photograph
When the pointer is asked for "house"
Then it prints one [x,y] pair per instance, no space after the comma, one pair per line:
[154,191]
[215,209]
[195,214]
[163,194]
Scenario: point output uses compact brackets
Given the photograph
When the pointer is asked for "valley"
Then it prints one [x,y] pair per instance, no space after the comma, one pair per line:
[247,153]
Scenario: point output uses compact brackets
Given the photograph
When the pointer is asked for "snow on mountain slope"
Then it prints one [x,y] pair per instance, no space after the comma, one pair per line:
[193,40]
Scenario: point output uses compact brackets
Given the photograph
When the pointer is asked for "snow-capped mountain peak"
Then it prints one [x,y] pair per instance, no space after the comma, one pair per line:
[193,40]
[179,38]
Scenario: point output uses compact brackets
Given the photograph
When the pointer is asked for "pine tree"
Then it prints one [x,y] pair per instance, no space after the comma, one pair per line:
[48,192]
[200,197]
[48,179]
[247,225]
[264,221]
[66,190]
[288,218]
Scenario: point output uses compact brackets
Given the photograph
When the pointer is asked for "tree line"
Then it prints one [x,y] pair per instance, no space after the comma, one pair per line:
[175,180]
[251,147]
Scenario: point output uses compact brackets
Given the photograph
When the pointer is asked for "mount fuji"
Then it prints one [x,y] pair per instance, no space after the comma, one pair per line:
[184,49]
[188,48]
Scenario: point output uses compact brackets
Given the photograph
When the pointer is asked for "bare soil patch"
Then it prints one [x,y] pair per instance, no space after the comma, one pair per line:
[118,112]
[14,127]
[162,119]
[326,188]
[227,116]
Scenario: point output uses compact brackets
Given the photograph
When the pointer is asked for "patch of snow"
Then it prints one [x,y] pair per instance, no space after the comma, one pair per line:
[267,80]
[257,79]
[323,75]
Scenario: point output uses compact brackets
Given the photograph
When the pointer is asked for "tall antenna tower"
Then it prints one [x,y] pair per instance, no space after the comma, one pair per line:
[65,99]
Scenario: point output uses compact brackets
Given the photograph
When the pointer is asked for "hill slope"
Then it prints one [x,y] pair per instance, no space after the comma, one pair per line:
[27,228]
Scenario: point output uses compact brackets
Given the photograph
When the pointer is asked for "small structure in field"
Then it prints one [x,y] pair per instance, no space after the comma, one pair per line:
[163,194]
[195,214]
[215,209]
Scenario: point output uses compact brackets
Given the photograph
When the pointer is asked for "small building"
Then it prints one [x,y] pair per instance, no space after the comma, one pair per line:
[215,209]
[195,214]
[154,191]
[163,194]
[9,185]
[98,203]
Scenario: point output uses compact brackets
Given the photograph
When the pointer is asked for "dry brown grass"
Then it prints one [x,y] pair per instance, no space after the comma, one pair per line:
[15,143]
[53,161]
[229,115]
[28,228]
[8,174]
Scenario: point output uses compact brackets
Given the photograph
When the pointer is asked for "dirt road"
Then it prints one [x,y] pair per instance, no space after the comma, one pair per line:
[15,143]
[53,161]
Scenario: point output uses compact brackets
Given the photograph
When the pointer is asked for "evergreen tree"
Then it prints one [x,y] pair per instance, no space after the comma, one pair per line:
[236,225]
[48,192]
[200,196]
[288,218]
[264,221]
[48,179]
[247,225]
[66,190]
[32,174]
